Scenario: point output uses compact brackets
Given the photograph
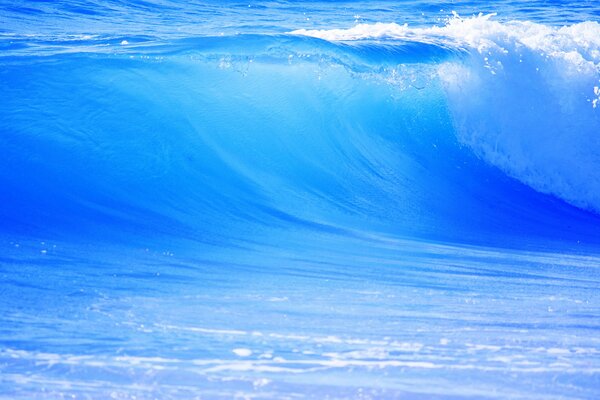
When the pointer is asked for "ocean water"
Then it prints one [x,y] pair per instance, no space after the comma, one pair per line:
[308,199]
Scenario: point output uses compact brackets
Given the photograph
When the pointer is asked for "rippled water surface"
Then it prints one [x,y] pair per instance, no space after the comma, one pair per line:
[319,200]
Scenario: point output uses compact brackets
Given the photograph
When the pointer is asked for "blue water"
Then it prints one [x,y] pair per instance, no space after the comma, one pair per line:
[280,200]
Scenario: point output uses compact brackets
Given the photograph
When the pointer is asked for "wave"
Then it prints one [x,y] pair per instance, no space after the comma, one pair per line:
[416,132]
[525,98]
[381,211]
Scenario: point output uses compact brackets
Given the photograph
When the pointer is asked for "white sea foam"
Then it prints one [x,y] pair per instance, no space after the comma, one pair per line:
[242,352]
[481,32]
[524,97]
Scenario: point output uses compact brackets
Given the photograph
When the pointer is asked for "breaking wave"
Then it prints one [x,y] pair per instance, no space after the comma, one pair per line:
[377,128]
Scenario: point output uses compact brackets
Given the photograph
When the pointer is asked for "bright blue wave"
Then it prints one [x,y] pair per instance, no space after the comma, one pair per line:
[299,199]
[205,133]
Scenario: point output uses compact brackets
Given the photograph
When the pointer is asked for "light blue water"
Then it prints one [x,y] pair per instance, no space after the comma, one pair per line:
[299,200]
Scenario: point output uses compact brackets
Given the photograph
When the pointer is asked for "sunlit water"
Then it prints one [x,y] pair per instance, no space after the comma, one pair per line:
[299,200]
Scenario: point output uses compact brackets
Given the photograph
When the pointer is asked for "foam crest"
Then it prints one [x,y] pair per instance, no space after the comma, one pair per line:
[525,96]
[478,31]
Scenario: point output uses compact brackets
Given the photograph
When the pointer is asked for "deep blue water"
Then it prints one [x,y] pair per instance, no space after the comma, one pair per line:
[282,200]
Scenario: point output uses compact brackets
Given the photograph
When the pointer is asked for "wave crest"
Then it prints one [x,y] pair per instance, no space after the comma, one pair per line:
[524,97]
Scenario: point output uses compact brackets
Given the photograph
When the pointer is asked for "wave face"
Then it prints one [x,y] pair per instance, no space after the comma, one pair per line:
[396,137]
[299,203]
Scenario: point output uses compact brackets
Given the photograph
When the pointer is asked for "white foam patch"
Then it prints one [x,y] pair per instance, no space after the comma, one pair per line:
[480,32]
[242,352]
[525,98]
[518,359]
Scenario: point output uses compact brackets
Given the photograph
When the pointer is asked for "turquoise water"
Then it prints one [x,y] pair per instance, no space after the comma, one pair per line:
[299,200]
